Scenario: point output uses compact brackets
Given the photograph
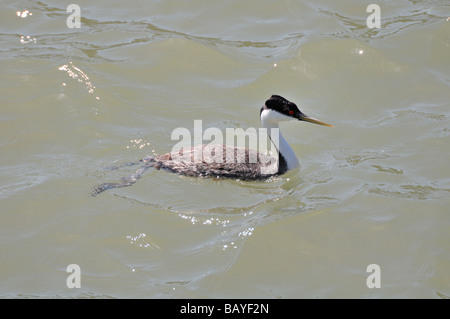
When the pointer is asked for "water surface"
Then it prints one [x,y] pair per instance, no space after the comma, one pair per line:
[374,189]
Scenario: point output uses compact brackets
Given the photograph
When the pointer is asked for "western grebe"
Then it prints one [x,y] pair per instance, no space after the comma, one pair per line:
[228,161]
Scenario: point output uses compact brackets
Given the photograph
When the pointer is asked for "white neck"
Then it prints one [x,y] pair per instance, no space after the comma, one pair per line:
[283,147]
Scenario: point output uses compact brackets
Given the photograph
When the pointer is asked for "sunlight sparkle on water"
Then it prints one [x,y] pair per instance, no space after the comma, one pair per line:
[24,14]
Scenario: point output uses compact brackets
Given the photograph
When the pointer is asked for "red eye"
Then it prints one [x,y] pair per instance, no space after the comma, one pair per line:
[291,112]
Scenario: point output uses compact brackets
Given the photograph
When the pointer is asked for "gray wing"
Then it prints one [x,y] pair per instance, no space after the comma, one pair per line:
[212,160]
[217,160]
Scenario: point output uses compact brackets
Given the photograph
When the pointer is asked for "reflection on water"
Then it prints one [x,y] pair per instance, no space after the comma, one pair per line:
[78,75]
[373,189]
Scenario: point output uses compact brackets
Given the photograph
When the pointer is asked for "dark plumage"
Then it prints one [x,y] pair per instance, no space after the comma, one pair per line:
[234,162]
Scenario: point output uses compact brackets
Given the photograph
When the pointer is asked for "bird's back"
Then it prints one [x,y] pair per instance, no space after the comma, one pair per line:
[218,160]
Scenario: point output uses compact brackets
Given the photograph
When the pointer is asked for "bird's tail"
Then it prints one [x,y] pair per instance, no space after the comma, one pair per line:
[126,181]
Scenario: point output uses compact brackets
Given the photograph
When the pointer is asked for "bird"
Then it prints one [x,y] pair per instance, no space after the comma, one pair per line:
[226,161]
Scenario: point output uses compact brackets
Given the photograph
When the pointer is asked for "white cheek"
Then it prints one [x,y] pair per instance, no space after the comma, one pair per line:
[269,115]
